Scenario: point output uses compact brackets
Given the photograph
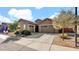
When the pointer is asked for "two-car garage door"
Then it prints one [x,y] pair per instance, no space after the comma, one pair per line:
[46,28]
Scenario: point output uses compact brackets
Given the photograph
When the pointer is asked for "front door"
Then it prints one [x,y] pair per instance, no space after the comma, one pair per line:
[36,28]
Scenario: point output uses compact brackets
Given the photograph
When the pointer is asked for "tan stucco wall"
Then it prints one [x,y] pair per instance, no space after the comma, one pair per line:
[25,25]
[31,27]
[21,24]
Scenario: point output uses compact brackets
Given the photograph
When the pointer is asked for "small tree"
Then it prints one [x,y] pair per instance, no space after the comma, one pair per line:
[13,26]
[64,19]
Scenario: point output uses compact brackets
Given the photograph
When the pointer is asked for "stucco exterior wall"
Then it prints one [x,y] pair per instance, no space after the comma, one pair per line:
[25,25]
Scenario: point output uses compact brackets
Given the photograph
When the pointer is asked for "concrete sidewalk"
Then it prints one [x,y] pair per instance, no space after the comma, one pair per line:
[62,48]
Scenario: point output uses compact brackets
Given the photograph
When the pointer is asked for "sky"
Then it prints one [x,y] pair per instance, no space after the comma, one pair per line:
[10,14]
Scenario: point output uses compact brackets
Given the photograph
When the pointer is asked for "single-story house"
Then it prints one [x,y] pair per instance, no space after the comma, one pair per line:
[43,26]
[25,24]
[46,26]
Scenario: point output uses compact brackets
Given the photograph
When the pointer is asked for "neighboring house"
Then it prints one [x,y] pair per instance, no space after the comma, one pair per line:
[46,25]
[26,25]
[38,20]
[4,27]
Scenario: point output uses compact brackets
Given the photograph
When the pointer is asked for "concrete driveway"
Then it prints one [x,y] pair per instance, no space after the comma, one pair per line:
[42,43]
[37,42]
[35,35]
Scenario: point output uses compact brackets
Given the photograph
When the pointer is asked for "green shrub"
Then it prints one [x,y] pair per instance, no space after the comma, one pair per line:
[25,32]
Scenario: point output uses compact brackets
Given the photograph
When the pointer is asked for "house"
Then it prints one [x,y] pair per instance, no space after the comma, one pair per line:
[4,28]
[38,20]
[26,25]
[43,26]
[46,25]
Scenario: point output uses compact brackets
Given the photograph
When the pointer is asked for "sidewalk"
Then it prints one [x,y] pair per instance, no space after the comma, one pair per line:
[62,48]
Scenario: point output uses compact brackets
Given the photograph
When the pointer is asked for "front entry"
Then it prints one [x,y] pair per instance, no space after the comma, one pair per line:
[36,28]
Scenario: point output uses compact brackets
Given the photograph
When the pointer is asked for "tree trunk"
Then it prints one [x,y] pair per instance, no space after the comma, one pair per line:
[63,33]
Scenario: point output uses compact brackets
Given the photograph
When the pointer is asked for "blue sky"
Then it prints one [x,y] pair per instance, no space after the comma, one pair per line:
[10,14]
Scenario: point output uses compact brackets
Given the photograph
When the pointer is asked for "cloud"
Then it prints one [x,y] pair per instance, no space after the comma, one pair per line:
[4,19]
[54,15]
[12,12]
[21,13]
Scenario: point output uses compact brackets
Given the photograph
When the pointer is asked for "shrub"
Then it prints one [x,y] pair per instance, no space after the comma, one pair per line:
[17,32]
[65,36]
[25,32]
